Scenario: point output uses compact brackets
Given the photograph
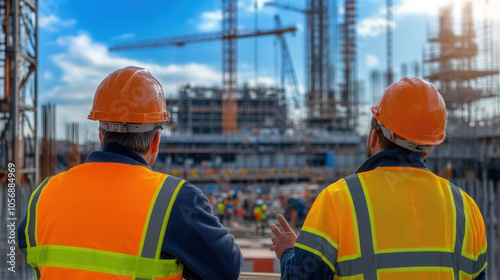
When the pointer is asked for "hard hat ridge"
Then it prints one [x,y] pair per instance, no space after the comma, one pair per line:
[414,110]
[129,96]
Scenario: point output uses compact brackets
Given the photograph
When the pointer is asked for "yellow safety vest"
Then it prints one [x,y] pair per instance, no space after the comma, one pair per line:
[260,212]
[396,223]
[222,208]
[85,224]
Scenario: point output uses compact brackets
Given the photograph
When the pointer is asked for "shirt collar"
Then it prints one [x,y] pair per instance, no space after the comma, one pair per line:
[114,152]
[393,157]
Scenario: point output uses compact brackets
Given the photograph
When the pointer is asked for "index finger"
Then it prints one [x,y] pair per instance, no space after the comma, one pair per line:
[284,224]
[275,230]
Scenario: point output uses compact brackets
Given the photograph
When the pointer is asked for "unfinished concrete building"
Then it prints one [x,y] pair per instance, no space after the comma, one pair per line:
[198,110]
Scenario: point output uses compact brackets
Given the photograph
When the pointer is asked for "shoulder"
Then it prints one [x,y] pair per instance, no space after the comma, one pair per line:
[192,196]
[335,191]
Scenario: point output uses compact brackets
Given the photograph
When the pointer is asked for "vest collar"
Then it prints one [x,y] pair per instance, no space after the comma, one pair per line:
[393,157]
[114,152]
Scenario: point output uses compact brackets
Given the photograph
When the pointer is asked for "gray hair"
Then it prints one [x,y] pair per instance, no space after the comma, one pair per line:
[138,142]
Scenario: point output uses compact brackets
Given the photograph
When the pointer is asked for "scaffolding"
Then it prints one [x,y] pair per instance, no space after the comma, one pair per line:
[18,118]
[18,91]
[320,101]
[452,63]
[349,99]
[461,64]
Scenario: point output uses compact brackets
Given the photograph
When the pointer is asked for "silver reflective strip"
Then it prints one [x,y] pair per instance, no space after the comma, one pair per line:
[32,220]
[412,259]
[460,229]
[368,258]
[157,217]
[37,273]
[320,244]
[474,266]
[129,127]
[32,213]
[407,144]
[404,259]
[398,260]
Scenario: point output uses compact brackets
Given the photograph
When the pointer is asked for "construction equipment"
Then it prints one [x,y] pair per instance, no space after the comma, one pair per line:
[183,40]
[287,7]
[324,110]
[389,41]
[288,69]
[19,91]
[228,36]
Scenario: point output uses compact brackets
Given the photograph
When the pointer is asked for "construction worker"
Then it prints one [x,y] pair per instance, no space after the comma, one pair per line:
[113,217]
[260,213]
[393,219]
[221,209]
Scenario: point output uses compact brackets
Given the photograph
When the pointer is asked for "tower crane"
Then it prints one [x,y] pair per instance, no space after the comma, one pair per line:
[389,42]
[288,69]
[183,40]
[320,100]
[287,64]
[286,7]
[228,36]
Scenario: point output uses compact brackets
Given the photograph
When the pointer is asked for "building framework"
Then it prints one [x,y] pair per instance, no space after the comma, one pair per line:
[18,118]
[453,63]
[18,89]
[461,64]
[199,110]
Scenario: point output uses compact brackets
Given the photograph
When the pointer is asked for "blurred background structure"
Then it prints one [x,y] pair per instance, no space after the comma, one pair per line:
[243,140]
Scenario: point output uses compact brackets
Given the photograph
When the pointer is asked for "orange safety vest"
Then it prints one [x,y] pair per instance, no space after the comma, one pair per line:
[396,223]
[101,221]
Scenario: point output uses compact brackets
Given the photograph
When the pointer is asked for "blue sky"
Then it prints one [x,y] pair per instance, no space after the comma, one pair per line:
[74,37]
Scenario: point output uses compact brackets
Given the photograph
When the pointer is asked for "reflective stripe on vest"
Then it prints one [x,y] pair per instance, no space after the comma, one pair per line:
[369,262]
[146,265]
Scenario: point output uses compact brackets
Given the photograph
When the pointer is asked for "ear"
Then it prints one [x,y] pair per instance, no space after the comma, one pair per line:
[155,146]
[373,138]
[100,136]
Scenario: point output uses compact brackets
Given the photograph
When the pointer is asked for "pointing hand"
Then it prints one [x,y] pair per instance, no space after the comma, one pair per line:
[282,240]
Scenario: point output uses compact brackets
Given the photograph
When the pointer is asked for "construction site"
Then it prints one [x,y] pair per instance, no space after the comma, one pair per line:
[248,140]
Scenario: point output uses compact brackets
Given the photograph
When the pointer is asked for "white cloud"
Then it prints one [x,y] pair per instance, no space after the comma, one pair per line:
[249,6]
[52,23]
[85,63]
[210,21]
[376,24]
[433,7]
[372,61]
[47,75]
[300,27]
[373,26]
[409,7]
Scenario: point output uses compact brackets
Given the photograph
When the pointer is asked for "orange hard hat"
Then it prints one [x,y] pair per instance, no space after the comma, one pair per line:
[130,96]
[414,110]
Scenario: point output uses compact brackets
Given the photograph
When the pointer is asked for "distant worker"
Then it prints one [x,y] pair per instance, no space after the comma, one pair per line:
[291,207]
[260,213]
[113,217]
[221,209]
[393,219]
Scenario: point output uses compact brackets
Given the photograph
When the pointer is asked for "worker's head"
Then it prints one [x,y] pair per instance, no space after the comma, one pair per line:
[131,109]
[410,114]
